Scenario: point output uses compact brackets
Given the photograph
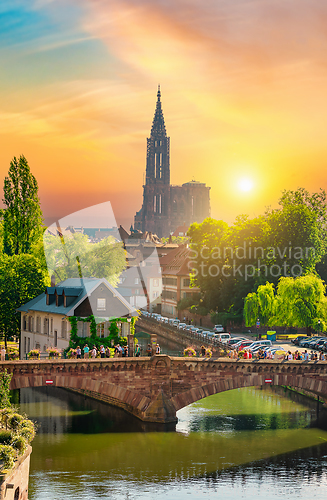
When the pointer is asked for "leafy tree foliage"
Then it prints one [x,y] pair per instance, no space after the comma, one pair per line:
[21,279]
[22,216]
[298,302]
[5,379]
[231,262]
[251,309]
[74,257]
[301,302]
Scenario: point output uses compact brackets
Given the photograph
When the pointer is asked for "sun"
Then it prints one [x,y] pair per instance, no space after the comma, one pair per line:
[245,185]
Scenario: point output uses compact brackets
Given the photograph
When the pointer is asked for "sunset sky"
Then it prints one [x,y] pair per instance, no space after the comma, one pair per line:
[244,95]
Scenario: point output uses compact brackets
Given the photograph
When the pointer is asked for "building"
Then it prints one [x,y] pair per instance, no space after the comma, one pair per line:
[176,283]
[165,207]
[45,319]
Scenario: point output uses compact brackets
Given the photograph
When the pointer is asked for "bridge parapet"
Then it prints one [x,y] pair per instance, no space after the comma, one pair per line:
[153,389]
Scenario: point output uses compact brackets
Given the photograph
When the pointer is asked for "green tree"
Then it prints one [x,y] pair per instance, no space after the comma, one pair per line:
[301,302]
[266,303]
[21,279]
[251,309]
[74,256]
[22,216]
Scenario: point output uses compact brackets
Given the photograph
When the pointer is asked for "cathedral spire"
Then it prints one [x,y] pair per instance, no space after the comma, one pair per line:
[158,124]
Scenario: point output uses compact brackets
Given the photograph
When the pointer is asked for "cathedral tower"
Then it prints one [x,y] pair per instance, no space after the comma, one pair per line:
[166,207]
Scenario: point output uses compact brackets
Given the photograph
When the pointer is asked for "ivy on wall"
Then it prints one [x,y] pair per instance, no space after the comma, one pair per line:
[94,339]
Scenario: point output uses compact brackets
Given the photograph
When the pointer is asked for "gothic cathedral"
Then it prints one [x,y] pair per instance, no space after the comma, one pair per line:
[167,207]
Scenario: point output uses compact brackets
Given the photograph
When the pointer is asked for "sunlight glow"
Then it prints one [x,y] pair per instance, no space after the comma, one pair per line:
[245,185]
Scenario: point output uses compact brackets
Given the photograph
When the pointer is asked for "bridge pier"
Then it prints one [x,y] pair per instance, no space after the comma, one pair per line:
[160,410]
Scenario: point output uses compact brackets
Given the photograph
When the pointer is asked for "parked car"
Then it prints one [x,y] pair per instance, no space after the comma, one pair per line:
[181,326]
[299,338]
[218,328]
[310,342]
[222,337]
[208,333]
[242,344]
[234,340]
[314,344]
[260,343]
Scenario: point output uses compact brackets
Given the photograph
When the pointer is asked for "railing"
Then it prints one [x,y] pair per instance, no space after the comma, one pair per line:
[187,334]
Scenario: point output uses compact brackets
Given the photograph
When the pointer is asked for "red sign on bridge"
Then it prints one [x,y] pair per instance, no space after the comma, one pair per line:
[268,381]
[49,382]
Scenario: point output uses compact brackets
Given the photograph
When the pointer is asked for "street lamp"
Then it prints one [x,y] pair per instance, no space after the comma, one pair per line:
[318,325]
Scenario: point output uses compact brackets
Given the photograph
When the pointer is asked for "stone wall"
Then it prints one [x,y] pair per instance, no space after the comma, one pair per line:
[14,484]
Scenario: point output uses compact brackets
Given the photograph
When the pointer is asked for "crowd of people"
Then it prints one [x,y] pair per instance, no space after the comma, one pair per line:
[280,355]
[120,351]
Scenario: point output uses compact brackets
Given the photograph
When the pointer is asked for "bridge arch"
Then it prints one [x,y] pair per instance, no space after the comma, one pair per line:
[257,378]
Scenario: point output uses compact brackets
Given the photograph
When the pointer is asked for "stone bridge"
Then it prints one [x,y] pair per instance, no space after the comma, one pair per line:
[153,389]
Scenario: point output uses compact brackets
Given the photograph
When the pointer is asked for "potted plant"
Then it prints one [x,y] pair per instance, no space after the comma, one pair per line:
[208,352]
[12,355]
[34,354]
[189,352]
[72,353]
[53,352]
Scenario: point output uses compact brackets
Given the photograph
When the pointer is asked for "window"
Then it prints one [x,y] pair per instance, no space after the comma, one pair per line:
[51,325]
[38,324]
[186,282]
[155,294]
[169,281]
[25,323]
[155,282]
[46,326]
[101,304]
[136,281]
[64,329]
[100,330]
[136,291]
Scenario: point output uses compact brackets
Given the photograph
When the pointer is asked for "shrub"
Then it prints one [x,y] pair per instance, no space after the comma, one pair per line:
[28,433]
[7,456]
[5,413]
[5,436]
[19,443]
[71,353]
[15,420]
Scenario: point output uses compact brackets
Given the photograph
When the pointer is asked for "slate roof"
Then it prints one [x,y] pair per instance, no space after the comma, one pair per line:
[72,287]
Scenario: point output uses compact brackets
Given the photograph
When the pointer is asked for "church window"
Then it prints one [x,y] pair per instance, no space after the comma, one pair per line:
[158,165]
[154,203]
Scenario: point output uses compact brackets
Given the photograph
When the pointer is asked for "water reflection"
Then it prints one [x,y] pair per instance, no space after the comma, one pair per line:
[244,443]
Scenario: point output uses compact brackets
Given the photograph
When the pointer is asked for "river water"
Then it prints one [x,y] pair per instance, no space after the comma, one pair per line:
[242,444]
